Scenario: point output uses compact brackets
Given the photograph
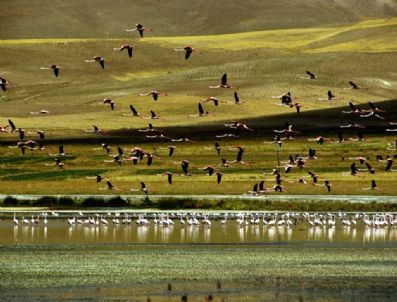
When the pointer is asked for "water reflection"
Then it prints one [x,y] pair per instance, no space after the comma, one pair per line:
[60,232]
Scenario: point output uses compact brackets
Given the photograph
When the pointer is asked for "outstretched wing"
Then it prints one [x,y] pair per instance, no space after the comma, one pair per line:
[224,79]
[133,110]
[12,125]
[354,85]
[200,108]
[188,53]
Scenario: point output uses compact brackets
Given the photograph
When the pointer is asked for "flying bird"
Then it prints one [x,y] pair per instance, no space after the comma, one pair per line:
[53,67]
[98,59]
[110,102]
[154,93]
[134,112]
[4,83]
[95,130]
[169,177]
[143,188]
[219,175]
[201,111]
[139,27]
[129,48]
[311,76]
[188,51]
[237,100]
[109,186]
[223,84]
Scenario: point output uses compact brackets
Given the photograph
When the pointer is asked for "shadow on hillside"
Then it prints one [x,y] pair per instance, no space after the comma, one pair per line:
[310,123]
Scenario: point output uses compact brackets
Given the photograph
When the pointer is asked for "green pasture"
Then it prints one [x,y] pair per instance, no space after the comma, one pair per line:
[260,62]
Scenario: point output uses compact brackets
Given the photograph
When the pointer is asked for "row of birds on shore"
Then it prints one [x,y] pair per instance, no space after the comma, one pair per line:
[288,219]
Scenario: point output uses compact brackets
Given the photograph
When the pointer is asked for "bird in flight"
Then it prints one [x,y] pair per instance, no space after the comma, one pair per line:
[201,111]
[55,69]
[171,150]
[98,59]
[57,162]
[42,111]
[109,186]
[110,102]
[169,177]
[223,84]
[143,188]
[372,187]
[95,130]
[129,48]
[3,84]
[188,51]
[139,27]
[311,76]
[105,147]
[154,93]
[237,100]
[134,112]
[355,86]
[211,99]
[152,116]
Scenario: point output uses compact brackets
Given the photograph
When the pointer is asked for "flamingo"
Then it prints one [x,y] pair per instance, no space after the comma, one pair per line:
[105,147]
[98,59]
[154,93]
[95,130]
[109,186]
[110,102]
[169,177]
[61,152]
[239,157]
[129,48]
[57,162]
[133,110]
[15,219]
[143,188]
[219,175]
[201,111]
[212,99]
[139,27]
[217,148]
[152,116]
[42,111]
[53,67]
[311,76]
[188,51]
[286,99]
[223,84]
[4,83]
[237,100]
[372,187]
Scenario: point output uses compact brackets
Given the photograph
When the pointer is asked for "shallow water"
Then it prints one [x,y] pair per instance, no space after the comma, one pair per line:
[250,262]
[59,232]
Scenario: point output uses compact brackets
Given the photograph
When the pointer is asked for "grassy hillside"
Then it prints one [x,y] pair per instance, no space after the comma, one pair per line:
[259,64]
[262,57]
[85,18]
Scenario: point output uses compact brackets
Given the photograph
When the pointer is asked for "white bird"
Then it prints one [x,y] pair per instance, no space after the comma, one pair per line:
[104,221]
[15,220]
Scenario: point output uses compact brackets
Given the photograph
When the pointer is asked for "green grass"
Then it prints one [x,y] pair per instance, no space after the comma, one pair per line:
[261,60]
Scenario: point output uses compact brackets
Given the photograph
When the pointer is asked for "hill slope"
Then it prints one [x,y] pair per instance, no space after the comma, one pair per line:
[100,18]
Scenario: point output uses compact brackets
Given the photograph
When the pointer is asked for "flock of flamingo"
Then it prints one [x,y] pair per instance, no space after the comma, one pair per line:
[287,219]
[234,130]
